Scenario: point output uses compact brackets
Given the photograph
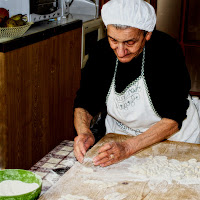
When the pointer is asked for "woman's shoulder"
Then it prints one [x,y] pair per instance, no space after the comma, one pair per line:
[163,42]
[162,36]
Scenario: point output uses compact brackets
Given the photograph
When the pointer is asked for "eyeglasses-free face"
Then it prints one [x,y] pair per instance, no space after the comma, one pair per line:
[126,43]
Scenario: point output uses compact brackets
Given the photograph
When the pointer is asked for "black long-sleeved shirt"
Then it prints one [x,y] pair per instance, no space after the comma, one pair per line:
[165,72]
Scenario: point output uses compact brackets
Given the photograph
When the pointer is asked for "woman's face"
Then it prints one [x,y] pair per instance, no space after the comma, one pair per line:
[126,43]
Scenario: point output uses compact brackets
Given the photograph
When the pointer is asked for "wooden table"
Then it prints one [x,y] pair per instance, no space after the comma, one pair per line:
[74,181]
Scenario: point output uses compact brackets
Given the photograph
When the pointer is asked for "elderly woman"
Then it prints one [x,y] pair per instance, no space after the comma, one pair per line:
[140,76]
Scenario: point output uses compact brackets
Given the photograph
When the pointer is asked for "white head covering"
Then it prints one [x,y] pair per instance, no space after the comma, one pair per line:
[134,13]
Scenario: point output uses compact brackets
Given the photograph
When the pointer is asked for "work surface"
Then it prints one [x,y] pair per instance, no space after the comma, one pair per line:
[87,182]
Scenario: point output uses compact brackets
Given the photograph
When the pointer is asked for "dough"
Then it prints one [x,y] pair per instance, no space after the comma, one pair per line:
[74,197]
[160,168]
[14,187]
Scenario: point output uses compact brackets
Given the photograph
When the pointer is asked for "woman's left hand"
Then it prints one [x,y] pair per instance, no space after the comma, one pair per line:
[111,153]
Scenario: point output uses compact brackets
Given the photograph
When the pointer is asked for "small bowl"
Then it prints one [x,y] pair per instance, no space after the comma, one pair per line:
[24,176]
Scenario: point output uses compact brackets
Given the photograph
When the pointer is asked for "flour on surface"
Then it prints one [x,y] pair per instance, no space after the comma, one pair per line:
[115,196]
[73,197]
[87,165]
[101,184]
[15,187]
[158,168]
[87,169]
[158,186]
[159,172]
[87,159]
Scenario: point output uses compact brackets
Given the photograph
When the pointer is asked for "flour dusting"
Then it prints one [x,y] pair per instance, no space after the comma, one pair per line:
[87,170]
[101,184]
[151,175]
[156,169]
[73,197]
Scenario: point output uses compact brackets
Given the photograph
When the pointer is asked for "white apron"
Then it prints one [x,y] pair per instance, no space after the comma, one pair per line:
[131,112]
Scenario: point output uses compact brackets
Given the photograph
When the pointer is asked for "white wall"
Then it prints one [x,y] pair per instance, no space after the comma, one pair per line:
[15,6]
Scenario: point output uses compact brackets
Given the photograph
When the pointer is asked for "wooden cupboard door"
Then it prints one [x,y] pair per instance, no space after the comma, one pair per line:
[41,80]
[169,17]
[192,54]
[192,25]
[191,43]
[180,19]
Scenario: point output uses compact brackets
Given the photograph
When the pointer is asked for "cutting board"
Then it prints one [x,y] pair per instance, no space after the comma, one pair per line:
[75,181]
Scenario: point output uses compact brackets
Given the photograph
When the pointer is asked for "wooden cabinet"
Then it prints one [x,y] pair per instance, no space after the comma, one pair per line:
[38,84]
[190,41]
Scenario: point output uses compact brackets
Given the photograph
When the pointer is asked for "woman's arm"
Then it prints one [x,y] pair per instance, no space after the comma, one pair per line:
[158,132]
[85,138]
[120,151]
[82,120]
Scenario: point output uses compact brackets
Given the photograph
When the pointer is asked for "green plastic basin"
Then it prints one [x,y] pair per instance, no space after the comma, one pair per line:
[24,176]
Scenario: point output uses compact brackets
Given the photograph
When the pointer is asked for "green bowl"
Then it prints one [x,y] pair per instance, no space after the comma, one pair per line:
[24,176]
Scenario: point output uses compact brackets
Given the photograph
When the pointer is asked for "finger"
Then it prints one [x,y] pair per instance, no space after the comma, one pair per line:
[106,147]
[109,162]
[103,155]
[82,140]
[82,147]
[102,161]
[111,151]
[105,158]
[78,154]
[79,148]
[104,151]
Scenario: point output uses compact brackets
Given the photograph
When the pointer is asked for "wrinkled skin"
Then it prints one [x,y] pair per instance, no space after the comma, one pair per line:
[82,144]
[85,138]
[118,150]
[127,43]
[122,150]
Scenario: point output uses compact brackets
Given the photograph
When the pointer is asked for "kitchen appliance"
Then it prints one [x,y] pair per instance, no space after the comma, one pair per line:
[85,7]
[36,10]
[44,9]
[92,29]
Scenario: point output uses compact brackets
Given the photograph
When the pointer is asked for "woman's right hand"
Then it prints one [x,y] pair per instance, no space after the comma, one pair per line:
[81,144]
